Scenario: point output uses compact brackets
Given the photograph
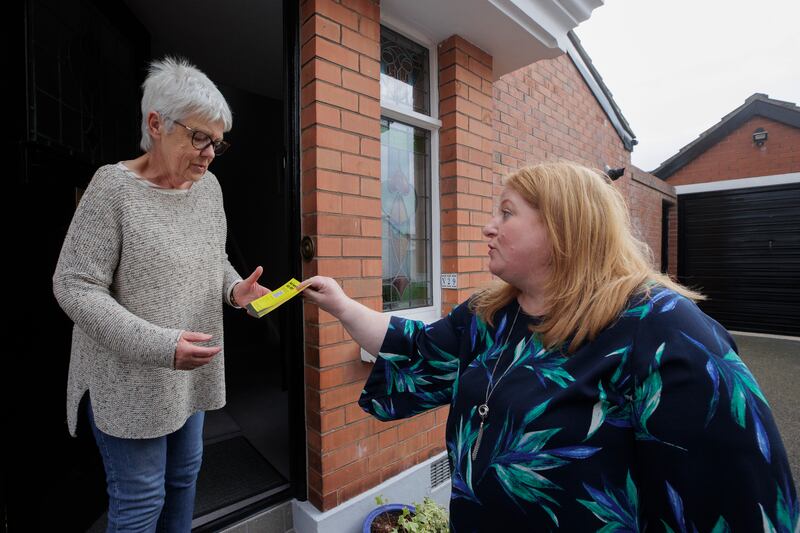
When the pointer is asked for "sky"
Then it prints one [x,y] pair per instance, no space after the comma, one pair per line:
[676,67]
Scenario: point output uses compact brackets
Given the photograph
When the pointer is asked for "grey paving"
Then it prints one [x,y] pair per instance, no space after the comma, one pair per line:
[775,363]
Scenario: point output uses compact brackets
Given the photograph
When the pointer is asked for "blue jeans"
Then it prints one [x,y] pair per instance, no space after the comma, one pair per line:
[152,482]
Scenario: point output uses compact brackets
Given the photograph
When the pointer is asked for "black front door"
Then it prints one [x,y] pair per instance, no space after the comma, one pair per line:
[76,74]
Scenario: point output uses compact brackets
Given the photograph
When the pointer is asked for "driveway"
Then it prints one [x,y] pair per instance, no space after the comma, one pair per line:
[775,363]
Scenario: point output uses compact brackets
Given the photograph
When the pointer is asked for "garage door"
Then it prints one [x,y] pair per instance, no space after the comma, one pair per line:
[741,248]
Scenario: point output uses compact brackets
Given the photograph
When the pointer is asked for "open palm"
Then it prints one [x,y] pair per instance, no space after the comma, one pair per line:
[250,289]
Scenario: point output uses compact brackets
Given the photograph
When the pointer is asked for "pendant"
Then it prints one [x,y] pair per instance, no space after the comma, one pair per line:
[483,411]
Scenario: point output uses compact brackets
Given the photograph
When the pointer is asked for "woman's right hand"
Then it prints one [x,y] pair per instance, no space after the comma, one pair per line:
[189,356]
[365,325]
[327,294]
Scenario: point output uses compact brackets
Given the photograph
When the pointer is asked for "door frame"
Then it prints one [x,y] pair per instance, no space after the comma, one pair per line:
[295,362]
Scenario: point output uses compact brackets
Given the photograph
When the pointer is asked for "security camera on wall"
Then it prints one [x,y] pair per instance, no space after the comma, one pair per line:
[614,173]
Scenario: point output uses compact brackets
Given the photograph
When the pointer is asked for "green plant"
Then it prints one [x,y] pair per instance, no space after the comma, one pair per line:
[429,517]
[380,500]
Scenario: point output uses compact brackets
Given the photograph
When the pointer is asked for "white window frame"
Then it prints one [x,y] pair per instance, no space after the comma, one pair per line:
[432,124]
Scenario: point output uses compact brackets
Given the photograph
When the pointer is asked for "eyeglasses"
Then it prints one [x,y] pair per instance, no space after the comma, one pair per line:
[202,140]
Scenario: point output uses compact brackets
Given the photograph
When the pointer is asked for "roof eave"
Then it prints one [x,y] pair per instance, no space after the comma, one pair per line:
[600,90]
[756,105]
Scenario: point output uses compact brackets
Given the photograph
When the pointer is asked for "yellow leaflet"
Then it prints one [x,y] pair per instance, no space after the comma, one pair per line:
[269,302]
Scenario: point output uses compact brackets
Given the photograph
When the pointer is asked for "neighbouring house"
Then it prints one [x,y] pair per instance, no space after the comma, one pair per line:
[368,145]
[736,235]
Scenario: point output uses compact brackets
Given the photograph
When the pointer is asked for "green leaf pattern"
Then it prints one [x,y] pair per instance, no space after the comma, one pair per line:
[521,456]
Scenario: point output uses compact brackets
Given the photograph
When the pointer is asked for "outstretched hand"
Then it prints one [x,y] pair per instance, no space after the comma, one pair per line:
[366,326]
[250,289]
[326,293]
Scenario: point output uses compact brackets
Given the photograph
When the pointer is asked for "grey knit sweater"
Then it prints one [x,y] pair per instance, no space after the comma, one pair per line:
[138,266]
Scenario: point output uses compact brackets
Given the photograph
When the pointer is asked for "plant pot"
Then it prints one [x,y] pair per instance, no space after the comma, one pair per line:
[389,507]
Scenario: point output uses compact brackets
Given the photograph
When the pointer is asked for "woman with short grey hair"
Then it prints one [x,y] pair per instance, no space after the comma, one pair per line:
[143,274]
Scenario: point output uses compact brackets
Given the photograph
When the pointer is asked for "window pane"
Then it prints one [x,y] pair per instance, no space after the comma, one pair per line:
[405,205]
[404,72]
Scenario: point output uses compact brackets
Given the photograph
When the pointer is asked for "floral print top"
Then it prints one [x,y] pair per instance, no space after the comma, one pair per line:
[656,425]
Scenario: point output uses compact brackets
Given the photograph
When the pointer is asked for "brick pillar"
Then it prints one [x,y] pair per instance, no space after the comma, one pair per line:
[341,206]
[466,147]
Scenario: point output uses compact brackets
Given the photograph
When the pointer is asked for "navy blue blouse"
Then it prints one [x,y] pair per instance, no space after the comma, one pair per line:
[655,425]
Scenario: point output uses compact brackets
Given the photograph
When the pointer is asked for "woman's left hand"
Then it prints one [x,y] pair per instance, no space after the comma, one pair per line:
[249,289]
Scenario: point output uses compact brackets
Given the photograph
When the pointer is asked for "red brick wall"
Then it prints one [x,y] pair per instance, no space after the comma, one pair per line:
[546,112]
[340,143]
[465,170]
[736,156]
[647,195]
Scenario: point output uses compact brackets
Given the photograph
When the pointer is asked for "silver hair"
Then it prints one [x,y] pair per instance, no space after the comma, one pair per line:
[176,89]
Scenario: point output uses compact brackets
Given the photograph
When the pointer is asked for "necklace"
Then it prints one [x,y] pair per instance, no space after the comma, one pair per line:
[483,409]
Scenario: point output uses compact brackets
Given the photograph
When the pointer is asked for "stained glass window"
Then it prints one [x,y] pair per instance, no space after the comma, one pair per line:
[404,72]
[406,217]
